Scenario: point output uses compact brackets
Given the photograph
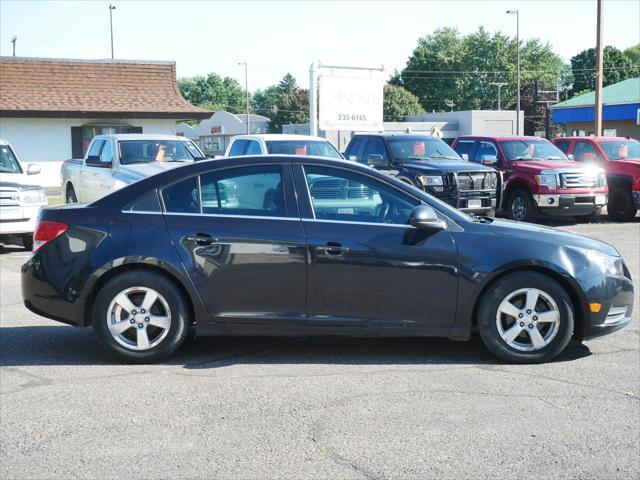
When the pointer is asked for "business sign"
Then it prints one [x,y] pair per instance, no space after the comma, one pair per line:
[347,103]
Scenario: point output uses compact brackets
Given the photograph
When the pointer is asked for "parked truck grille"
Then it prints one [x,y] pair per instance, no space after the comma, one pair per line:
[470,181]
[331,189]
[9,197]
[579,180]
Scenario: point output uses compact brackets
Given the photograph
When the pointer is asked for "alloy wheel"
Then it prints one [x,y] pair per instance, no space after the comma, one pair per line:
[518,208]
[528,319]
[138,318]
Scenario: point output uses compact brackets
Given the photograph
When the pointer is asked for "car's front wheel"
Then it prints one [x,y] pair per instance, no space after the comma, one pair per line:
[526,317]
[140,317]
[521,207]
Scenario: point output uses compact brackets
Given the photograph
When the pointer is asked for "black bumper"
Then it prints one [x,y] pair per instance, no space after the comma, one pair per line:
[616,298]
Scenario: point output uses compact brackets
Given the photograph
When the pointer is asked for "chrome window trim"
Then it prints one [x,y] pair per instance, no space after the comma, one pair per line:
[395,225]
[147,212]
[223,215]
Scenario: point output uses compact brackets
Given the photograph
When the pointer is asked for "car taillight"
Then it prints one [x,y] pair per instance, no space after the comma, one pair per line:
[47,231]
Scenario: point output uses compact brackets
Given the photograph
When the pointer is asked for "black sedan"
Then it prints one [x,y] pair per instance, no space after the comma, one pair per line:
[308,246]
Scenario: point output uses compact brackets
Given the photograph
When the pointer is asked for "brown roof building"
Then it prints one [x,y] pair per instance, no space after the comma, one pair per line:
[39,87]
[50,109]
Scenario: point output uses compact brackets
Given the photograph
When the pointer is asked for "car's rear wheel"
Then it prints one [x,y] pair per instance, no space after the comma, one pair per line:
[621,207]
[526,317]
[521,207]
[140,317]
[70,196]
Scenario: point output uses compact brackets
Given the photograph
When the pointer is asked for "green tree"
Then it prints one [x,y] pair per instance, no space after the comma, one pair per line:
[633,53]
[214,93]
[288,84]
[617,67]
[449,67]
[283,103]
[398,103]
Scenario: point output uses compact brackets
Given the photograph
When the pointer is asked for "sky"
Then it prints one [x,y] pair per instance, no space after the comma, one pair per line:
[276,37]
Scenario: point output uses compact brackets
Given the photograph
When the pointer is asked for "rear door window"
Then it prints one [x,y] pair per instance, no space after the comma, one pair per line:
[238,148]
[182,197]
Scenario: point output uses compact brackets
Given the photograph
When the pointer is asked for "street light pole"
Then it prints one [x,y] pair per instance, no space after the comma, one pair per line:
[499,85]
[111,9]
[599,58]
[14,39]
[246,87]
[517,13]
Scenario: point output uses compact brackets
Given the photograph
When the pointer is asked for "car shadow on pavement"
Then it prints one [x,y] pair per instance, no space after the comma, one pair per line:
[62,345]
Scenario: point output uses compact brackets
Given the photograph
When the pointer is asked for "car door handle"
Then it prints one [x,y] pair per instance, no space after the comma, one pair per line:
[333,249]
[202,239]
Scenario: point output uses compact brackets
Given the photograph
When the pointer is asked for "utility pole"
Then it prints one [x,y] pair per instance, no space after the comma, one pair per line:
[246,87]
[13,41]
[517,13]
[599,69]
[111,9]
[499,85]
[313,102]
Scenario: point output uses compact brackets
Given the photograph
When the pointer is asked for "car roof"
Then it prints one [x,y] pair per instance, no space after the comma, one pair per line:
[504,137]
[3,142]
[599,139]
[142,136]
[394,134]
[278,136]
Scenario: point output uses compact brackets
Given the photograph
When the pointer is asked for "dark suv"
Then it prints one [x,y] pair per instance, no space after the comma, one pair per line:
[429,164]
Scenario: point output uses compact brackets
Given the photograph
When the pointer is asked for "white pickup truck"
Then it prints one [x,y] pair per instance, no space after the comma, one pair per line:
[114,161]
[281,144]
[20,198]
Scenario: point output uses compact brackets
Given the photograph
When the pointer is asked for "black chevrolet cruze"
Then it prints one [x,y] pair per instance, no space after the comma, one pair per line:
[308,246]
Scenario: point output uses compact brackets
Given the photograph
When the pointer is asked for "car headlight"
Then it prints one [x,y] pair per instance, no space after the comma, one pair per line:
[430,180]
[608,264]
[548,179]
[491,180]
[602,179]
[35,195]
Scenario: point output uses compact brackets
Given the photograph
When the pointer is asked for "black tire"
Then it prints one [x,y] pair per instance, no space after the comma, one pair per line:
[178,309]
[521,206]
[499,291]
[621,207]
[27,242]
[70,196]
[592,217]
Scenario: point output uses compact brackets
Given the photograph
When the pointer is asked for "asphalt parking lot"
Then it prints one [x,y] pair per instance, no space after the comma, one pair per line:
[315,407]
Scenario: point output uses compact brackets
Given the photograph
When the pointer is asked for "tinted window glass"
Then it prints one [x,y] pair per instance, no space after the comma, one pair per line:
[421,148]
[148,151]
[147,203]
[255,191]
[96,147]
[8,162]
[355,146]
[317,148]
[253,148]
[375,146]
[347,196]
[238,148]
[182,197]
[621,149]
[107,153]
[487,149]
[585,152]
[563,145]
[464,146]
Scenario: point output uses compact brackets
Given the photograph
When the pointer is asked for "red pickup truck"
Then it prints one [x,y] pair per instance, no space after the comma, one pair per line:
[620,157]
[538,177]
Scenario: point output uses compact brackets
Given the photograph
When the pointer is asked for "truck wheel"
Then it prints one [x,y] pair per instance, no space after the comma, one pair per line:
[620,206]
[140,317]
[70,197]
[521,207]
[526,317]
[27,242]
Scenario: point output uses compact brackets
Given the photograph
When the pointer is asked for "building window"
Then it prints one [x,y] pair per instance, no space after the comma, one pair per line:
[90,131]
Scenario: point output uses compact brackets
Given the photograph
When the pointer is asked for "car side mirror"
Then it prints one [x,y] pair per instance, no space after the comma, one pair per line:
[464,156]
[94,161]
[488,159]
[353,158]
[376,160]
[33,169]
[571,157]
[425,218]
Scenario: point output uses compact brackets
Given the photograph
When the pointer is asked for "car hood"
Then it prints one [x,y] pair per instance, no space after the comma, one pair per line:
[17,180]
[138,171]
[528,231]
[537,165]
[444,165]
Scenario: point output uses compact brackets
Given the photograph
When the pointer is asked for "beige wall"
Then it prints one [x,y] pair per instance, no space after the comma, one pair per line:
[623,129]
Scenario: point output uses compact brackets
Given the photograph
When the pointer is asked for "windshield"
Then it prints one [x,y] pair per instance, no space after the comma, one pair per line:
[302,147]
[421,148]
[148,151]
[8,161]
[621,150]
[523,150]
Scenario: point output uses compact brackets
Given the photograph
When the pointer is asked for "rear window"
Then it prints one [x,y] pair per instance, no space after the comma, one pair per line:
[182,197]
[302,147]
